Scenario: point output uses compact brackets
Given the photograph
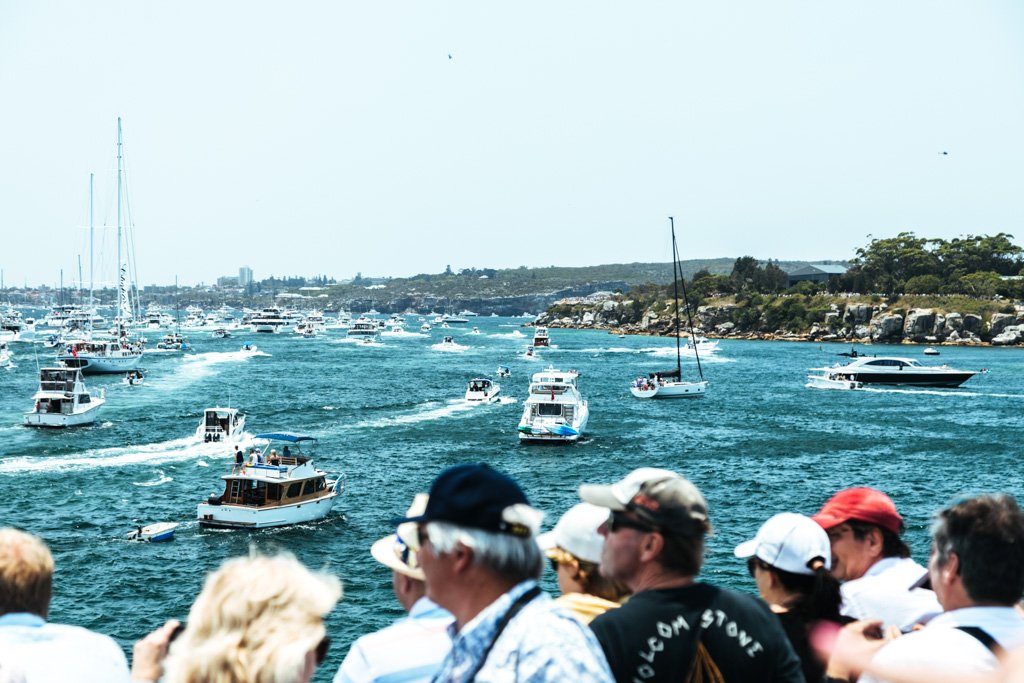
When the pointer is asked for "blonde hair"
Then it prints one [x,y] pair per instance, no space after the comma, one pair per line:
[254,622]
[26,573]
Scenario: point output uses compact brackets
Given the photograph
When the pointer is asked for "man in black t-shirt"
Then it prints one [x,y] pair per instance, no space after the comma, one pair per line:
[654,543]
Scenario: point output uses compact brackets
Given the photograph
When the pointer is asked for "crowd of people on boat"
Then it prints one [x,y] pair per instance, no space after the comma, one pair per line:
[839,597]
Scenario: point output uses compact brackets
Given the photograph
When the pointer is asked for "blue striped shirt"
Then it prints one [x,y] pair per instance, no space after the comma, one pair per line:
[544,642]
[409,650]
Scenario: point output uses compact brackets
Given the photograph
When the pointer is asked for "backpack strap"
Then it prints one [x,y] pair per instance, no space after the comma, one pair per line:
[984,637]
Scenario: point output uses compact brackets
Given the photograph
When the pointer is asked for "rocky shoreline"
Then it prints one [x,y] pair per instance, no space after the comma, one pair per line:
[851,323]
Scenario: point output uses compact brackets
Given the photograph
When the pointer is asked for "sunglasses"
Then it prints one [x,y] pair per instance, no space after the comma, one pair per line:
[617,521]
[321,650]
[755,563]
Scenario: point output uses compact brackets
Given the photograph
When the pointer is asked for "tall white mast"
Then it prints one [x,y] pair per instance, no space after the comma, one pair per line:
[122,283]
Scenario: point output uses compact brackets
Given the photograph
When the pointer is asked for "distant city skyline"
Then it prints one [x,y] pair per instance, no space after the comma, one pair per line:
[395,139]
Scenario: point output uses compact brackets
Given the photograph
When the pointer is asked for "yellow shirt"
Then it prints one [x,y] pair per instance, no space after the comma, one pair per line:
[585,606]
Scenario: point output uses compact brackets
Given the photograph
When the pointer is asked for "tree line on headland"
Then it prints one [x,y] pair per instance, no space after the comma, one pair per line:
[905,288]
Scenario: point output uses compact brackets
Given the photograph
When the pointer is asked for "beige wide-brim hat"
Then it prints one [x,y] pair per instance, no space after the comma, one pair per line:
[394,551]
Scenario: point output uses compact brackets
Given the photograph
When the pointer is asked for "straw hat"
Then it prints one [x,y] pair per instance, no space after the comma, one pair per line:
[394,551]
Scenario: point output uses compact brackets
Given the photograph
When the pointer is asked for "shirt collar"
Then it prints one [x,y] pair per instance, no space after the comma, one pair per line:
[482,626]
[22,619]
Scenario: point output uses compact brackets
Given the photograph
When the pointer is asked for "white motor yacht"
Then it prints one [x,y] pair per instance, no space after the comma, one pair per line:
[541,337]
[554,411]
[62,400]
[899,371]
[363,327]
[482,390]
[221,425]
[448,344]
[832,380]
[270,321]
[95,356]
[279,489]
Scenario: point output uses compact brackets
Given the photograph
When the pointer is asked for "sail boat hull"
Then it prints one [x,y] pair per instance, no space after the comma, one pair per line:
[671,390]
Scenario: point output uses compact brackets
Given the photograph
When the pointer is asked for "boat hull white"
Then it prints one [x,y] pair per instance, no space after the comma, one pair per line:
[541,431]
[244,517]
[671,390]
[59,420]
[101,365]
[826,382]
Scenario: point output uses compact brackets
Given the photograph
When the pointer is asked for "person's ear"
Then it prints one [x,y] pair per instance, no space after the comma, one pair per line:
[651,546]
[462,558]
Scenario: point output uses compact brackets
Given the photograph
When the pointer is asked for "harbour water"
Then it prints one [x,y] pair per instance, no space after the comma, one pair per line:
[391,417]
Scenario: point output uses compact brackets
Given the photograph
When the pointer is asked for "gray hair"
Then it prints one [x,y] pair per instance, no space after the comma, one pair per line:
[511,557]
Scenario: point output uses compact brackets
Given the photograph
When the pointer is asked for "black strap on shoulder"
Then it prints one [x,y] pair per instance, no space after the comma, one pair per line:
[984,637]
[518,605]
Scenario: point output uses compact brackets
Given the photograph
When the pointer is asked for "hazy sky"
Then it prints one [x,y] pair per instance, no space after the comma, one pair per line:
[394,138]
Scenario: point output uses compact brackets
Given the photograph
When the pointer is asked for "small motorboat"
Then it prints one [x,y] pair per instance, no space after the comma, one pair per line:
[220,333]
[833,380]
[529,352]
[221,424]
[503,371]
[249,348]
[475,330]
[134,378]
[482,390]
[154,533]
[931,351]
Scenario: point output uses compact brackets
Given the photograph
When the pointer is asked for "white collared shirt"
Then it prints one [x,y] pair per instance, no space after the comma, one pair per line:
[884,592]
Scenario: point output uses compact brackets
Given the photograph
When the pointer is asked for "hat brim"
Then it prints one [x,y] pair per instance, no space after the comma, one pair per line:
[601,495]
[746,549]
[547,541]
[826,521]
[418,519]
[383,551]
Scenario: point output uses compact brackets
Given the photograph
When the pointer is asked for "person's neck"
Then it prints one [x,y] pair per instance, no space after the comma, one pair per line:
[654,577]
[476,596]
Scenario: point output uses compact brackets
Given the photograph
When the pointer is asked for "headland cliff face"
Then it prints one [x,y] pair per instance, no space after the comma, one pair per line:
[797,318]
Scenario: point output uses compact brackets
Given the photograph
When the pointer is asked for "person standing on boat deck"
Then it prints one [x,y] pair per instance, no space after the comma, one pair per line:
[32,646]
[286,452]
[574,548]
[674,628]
[239,458]
[421,637]
[879,580]
[481,561]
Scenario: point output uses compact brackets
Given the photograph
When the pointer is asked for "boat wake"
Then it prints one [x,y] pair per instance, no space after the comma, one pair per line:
[426,412]
[449,348]
[937,392]
[507,400]
[175,450]
[161,479]
[514,334]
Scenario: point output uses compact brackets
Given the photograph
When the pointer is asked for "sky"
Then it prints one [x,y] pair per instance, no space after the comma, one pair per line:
[331,137]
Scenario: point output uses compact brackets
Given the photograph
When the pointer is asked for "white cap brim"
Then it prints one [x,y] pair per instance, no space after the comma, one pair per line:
[746,549]
[547,541]
[384,552]
[604,496]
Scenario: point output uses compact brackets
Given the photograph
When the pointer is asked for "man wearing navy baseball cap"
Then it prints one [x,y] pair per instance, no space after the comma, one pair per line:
[477,550]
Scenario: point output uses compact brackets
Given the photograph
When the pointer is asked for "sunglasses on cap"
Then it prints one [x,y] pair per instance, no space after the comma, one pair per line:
[618,521]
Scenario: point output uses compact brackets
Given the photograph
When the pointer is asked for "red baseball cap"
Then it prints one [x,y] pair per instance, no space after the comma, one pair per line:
[863,505]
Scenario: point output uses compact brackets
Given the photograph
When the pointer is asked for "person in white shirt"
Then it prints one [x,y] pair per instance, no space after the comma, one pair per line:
[421,638]
[879,578]
[33,649]
[975,569]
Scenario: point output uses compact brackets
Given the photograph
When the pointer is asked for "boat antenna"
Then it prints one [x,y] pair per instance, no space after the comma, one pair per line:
[678,269]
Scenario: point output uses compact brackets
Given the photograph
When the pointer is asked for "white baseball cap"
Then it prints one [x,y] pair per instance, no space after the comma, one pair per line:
[576,532]
[789,542]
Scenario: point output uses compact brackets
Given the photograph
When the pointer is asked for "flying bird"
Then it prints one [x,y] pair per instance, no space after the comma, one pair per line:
[942,153]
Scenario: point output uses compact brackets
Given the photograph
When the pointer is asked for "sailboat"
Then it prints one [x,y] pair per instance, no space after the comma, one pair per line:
[669,383]
[94,356]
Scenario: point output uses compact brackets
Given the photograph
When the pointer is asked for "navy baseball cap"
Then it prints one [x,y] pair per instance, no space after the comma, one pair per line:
[474,496]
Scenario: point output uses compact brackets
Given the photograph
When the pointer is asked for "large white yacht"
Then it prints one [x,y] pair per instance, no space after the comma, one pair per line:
[895,370]
[554,411]
[95,356]
[270,320]
[277,490]
[62,400]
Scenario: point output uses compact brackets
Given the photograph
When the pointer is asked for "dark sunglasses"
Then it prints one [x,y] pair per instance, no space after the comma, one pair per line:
[554,564]
[753,563]
[617,521]
[321,650]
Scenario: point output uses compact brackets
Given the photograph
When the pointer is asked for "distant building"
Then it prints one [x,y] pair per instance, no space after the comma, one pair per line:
[816,272]
[227,281]
[244,276]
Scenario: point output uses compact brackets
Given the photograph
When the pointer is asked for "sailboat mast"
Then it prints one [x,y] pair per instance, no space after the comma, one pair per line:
[91,228]
[675,292]
[686,302]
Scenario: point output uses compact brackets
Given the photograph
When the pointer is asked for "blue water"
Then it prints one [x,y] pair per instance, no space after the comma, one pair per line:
[392,417]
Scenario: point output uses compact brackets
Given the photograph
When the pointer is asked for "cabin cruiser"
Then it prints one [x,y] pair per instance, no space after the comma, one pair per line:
[269,320]
[95,356]
[503,371]
[541,338]
[220,333]
[134,378]
[173,342]
[700,345]
[482,390]
[221,424]
[900,371]
[554,411]
[277,489]
[62,400]
[931,351]
[448,344]
[363,327]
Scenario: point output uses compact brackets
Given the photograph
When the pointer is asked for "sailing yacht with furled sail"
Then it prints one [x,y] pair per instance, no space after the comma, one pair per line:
[119,354]
[669,383]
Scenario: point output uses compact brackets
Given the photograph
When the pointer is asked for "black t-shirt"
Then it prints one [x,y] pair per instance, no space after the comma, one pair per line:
[796,630]
[653,637]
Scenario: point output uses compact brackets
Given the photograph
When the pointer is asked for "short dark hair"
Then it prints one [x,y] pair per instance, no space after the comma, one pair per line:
[987,535]
[684,553]
[892,544]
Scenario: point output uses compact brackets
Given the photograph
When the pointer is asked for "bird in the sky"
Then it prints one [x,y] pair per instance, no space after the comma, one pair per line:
[942,153]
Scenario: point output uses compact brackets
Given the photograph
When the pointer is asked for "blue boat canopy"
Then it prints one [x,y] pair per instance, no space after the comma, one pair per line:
[285,436]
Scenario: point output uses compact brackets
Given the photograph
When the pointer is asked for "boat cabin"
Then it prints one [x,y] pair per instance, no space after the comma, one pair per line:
[58,390]
[221,423]
[540,337]
[272,485]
